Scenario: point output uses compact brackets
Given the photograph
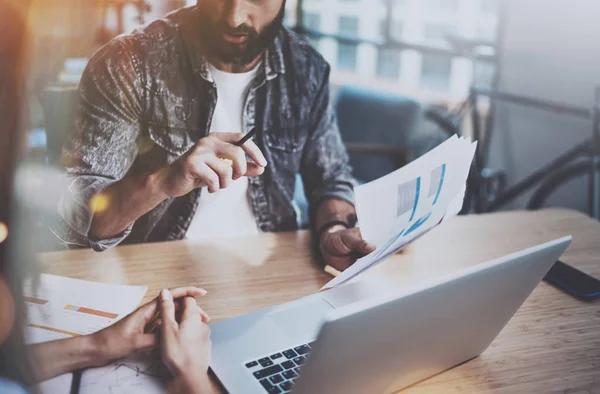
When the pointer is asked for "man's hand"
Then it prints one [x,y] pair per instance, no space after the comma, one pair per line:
[136,194]
[203,166]
[341,247]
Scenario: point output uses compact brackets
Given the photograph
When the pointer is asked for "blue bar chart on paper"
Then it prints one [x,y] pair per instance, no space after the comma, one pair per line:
[400,207]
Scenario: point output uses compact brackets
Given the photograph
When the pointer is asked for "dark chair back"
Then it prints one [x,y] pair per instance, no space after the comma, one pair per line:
[59,105]
[375,117]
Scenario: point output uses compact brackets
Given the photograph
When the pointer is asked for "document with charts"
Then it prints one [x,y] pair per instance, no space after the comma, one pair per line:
[398,208]
[59,307]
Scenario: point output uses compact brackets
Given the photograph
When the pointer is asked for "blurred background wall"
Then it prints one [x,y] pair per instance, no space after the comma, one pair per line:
[548,49]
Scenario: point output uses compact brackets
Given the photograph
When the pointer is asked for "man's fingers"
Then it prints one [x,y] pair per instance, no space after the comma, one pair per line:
[341,263]
[222,169]
[249,146]
[366,248]
[205,176]
[353,242]
[254,170]
[254,152]
[237,156]
[167,311]
[348,242]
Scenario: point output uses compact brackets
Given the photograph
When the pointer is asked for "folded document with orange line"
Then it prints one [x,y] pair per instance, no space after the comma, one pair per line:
[60,307]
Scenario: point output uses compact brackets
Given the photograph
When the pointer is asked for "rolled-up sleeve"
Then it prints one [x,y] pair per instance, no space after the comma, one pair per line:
[102,146]
[325,170]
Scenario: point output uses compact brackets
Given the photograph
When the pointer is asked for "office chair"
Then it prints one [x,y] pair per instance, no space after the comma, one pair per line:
[376,127]
[59,104]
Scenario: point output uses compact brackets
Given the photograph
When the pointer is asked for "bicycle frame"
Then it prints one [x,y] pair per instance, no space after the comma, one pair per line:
[589,148]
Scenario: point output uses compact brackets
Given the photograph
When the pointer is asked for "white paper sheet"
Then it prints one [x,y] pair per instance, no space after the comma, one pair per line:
[60,307]
[400,207]
[140,373]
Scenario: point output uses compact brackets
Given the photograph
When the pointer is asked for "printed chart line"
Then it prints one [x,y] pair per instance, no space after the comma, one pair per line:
[412,215]
[439,190]
[57,330]
[34,300]
[90,311]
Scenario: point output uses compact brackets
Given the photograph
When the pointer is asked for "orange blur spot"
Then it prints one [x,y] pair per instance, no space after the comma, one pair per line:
[144,145]
[3,232]
[99,203]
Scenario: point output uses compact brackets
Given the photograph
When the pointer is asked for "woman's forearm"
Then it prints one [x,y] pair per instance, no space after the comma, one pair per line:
[191,383]
[50,359]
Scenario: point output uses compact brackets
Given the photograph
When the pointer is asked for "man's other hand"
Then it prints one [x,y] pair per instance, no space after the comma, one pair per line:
[341,247]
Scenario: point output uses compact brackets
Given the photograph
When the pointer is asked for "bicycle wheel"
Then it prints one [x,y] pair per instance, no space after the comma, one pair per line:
[558,179]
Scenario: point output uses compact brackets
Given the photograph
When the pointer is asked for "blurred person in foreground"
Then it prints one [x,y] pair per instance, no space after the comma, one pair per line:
[184,342]
[161,108]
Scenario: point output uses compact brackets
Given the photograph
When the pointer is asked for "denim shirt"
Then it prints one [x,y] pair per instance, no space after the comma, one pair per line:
[146,98]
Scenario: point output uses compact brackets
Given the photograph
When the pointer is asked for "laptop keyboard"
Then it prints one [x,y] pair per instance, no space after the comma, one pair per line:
[278,372]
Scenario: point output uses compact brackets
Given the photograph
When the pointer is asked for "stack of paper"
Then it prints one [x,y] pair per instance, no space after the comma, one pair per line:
[398,208]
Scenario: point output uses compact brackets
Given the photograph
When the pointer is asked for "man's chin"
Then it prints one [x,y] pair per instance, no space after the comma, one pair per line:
[237,54]
[227,49]
[238,59]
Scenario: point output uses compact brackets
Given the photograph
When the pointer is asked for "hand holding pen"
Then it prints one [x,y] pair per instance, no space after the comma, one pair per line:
[241,142]
[214,162]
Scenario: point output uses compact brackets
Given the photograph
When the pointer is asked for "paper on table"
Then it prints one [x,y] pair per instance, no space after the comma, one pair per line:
[59,307]
[140,373]
[398,208]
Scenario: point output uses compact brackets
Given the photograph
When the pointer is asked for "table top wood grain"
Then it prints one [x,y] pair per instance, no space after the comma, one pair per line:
[552,344]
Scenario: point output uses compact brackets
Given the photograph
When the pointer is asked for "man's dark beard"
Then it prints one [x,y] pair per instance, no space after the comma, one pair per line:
[255,44]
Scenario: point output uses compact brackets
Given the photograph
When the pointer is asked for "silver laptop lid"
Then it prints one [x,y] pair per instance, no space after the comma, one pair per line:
[383,346]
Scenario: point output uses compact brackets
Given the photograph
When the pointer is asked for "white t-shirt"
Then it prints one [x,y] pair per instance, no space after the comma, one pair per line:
[226,213]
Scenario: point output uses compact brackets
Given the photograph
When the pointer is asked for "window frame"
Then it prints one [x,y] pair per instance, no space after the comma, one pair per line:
[390,42]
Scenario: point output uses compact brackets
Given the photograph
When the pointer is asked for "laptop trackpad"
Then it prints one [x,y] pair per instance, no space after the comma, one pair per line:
[301,320]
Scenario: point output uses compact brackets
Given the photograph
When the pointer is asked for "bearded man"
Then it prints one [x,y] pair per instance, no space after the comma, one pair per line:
[153,156]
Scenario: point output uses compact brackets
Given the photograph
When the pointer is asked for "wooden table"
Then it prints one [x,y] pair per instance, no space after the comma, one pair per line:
[552,344]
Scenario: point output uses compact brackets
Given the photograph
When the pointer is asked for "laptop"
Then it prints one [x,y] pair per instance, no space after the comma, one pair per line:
[329,343]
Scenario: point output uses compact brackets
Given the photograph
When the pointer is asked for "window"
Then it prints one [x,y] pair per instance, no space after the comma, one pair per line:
[347,57]
[312,21]
[484,74]
[388,63]
[290,16]
[421,24]
[396,29]
[438,33]
[442,5]
[486,32]
[435,72]
[489,6]
[396,3]
[348,26]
